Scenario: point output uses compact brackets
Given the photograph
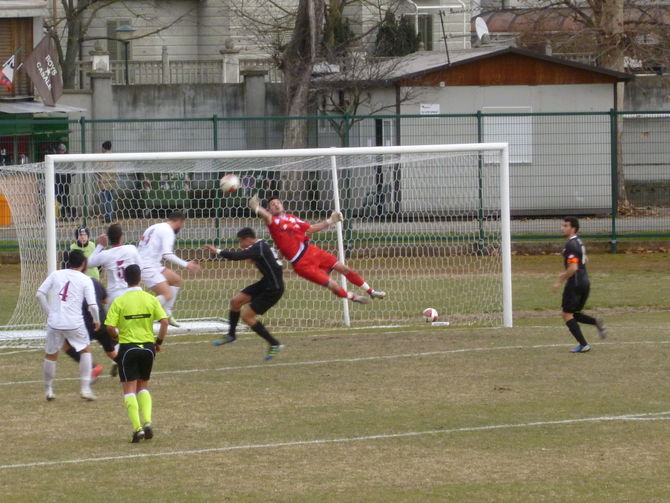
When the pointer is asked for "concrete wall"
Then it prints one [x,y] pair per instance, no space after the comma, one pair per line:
[645,145]
[190,102]
[648,92]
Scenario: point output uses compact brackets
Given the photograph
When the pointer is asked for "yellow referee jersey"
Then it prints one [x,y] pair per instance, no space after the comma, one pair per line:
[133,313]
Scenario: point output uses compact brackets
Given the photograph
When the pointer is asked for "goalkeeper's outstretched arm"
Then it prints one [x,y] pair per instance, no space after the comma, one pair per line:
[255,206]
[334,217]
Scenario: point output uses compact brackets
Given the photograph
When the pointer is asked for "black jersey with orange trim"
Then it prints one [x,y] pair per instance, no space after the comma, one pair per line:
[575,253]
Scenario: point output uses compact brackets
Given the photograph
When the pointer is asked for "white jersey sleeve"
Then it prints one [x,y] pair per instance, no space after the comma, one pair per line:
[95,260]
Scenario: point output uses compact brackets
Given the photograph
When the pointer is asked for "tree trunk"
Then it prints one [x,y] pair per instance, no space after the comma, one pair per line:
[69,64]
[612,49]
[298,61]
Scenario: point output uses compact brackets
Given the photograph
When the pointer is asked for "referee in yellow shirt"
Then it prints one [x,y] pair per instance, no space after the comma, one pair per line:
[133,314]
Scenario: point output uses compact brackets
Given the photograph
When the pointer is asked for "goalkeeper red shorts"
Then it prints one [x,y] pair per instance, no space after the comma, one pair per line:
[315,265]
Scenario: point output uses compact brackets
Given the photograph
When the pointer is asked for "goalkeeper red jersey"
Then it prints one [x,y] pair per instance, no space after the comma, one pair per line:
[288,234]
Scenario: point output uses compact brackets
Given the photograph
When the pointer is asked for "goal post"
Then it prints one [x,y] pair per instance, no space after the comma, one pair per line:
[428,223]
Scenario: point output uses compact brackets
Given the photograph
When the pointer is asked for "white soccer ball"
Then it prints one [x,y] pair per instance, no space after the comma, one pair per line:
[430,314]
[229,183]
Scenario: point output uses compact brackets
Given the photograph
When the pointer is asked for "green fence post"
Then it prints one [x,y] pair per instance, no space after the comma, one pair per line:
[82,138]
[480,193]
[82,134]
[215,132]
[614,162]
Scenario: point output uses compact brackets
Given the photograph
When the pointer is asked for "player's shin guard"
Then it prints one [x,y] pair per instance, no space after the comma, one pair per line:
[260,329]
[163,302]
[233,319]
[170,303]
[85,365]
[576,332]
[585,318]
[355,278]
[49,373]
[341,292]
[133,410]
[145,404]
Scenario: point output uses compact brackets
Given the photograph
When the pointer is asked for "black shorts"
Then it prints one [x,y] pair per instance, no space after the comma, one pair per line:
[262,296]
[575,296]
[135,361]
[103,337]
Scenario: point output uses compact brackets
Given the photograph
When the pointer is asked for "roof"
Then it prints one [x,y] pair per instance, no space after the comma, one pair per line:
[422,63]
[34,107]
[565,19]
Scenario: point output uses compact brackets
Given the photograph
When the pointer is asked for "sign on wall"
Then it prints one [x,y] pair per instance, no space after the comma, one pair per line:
[429,109]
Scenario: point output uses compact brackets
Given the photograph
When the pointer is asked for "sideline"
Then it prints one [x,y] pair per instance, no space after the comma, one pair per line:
[353,360]
[643,416]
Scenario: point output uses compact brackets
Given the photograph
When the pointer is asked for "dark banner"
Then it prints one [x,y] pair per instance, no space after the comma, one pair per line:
[43,68]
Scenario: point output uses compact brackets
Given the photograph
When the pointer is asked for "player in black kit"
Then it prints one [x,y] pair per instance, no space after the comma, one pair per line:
[261,295]
[576,289]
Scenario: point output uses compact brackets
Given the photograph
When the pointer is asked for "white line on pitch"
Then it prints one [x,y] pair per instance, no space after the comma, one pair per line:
[355,359]
[644,416]
[5,353]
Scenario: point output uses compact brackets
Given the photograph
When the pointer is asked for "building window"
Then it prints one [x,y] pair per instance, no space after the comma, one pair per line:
[426,31]
[516,130]
[15,34]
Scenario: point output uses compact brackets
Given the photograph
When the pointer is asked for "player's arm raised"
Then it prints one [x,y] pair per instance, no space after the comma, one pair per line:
[94,260]
[170,256]
[334,217]
[255,206]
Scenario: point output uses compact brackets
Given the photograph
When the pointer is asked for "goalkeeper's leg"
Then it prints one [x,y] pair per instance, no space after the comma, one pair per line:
[357,280]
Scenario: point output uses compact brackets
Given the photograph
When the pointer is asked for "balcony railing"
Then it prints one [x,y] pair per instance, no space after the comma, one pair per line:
[190,71]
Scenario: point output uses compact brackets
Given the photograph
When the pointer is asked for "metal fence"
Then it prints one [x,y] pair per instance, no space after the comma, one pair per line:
[561,163]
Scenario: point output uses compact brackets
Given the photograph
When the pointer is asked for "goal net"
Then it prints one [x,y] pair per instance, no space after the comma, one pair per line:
[429,225]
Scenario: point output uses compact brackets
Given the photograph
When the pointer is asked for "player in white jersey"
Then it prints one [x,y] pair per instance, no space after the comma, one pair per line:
[114,260]
[61,296]
[156,245]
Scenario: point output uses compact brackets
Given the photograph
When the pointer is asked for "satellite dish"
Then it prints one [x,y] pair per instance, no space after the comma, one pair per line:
[481,28]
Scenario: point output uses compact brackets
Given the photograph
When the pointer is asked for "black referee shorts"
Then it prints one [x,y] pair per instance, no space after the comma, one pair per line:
[135,361]
[263,297]
[574,297]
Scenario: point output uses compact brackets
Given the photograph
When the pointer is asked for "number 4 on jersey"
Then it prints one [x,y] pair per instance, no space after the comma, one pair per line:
[63,292]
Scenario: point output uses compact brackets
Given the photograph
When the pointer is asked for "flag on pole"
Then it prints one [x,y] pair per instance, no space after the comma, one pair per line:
[43,68]
[7,73]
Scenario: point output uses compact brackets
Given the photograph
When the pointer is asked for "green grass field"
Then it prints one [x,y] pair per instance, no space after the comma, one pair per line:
[412,414]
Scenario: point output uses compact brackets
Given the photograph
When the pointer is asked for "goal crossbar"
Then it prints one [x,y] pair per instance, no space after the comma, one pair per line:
[332,153]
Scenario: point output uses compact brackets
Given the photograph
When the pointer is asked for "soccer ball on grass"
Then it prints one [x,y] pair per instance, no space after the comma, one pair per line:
[430,314]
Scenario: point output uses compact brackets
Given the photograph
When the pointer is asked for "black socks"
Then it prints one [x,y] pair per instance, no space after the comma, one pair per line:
[576,332]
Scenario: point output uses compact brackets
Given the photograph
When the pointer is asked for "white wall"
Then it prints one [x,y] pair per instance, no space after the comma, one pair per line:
[557,162]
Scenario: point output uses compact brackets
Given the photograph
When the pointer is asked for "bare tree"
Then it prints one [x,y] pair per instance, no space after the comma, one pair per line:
[350,91]
[70,27]
[297,64]
[618,33]
[300,38]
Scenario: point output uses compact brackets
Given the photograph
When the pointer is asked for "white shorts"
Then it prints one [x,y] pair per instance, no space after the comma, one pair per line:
[77,338]
[113,294]
[153,276]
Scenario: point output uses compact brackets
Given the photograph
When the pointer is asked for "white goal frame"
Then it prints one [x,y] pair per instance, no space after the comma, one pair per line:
[501,148]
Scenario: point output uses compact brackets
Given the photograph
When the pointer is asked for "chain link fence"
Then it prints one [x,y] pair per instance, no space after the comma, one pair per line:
[610,168]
